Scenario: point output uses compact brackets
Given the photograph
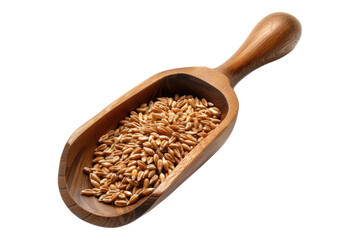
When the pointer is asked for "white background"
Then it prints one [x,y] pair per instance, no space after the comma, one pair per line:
[290,169]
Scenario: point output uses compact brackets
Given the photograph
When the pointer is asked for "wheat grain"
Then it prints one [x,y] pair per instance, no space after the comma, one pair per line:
[89,192]
[120,203]
[134,198]
[131,161]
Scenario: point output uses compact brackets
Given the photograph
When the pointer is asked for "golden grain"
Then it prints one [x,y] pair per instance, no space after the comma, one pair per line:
[89,192]
[134,159]
[134,198]
[148,191]
[120,203]
[128,193]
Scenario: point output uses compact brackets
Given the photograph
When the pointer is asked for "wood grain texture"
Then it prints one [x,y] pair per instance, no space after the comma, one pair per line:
[272,38]
[214,85]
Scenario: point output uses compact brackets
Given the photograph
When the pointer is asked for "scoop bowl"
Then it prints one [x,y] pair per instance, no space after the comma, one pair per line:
[272,38]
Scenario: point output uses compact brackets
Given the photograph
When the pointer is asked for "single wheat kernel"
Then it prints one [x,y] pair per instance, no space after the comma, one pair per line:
[89,192]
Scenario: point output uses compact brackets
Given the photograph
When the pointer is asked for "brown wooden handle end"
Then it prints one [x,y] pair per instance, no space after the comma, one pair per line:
[272,38]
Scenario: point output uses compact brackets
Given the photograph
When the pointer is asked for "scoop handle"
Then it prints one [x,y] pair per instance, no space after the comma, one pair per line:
[272,38]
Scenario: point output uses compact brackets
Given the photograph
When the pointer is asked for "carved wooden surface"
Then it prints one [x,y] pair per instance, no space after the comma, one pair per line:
[275,36]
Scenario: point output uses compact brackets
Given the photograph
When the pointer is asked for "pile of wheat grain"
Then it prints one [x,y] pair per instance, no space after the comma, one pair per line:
[131,161]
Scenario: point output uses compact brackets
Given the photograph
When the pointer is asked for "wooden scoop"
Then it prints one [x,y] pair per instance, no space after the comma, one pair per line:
[274,37]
